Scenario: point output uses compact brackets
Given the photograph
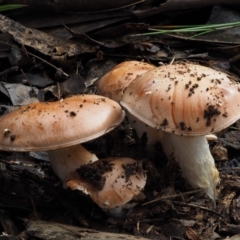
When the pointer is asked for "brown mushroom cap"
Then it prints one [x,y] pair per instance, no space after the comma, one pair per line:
[52,125]
[110,182]
[114,82]
[184,98]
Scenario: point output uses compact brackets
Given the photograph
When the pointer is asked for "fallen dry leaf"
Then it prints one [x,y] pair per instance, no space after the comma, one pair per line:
[43,42]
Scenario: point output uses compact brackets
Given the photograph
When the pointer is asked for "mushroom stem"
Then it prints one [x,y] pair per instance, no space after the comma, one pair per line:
[68,159]
[196,162]
[140,127]
[191,153]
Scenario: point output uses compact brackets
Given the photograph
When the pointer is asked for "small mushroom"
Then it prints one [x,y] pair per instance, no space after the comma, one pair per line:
[110,182]
[185,102]
[60,128]
[114,82]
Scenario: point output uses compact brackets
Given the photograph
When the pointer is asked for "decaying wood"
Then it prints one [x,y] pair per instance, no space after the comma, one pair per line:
[52,231]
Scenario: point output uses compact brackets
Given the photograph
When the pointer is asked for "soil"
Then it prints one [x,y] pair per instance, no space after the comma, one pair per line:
[93,174]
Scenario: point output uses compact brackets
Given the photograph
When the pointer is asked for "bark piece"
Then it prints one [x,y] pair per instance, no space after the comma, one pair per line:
[51,231]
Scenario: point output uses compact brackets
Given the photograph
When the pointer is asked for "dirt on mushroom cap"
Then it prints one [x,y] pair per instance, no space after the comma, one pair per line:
[93,174]
[52,125]
[184,98]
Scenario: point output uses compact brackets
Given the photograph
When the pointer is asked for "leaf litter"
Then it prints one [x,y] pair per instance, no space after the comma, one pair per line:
[31,195]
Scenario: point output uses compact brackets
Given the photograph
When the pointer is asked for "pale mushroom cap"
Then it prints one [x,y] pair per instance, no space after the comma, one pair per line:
[124,180]
[52,125]
[184,98]
[114,82]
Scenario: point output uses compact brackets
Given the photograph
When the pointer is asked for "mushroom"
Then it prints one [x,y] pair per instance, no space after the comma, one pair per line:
[110,182]
[185,102]
[114,82]
[60,128]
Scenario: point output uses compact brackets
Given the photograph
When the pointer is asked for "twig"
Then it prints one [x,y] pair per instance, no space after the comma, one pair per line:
[195,206]
[171,196]
[34,208]
[113,9]
[30,84]
[33,55]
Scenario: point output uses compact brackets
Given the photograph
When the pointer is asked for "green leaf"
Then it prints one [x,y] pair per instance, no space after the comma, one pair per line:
[11,7]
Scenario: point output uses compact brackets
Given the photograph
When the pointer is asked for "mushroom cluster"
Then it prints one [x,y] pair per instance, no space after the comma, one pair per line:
[183,102]
[59,128]
[177,104]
